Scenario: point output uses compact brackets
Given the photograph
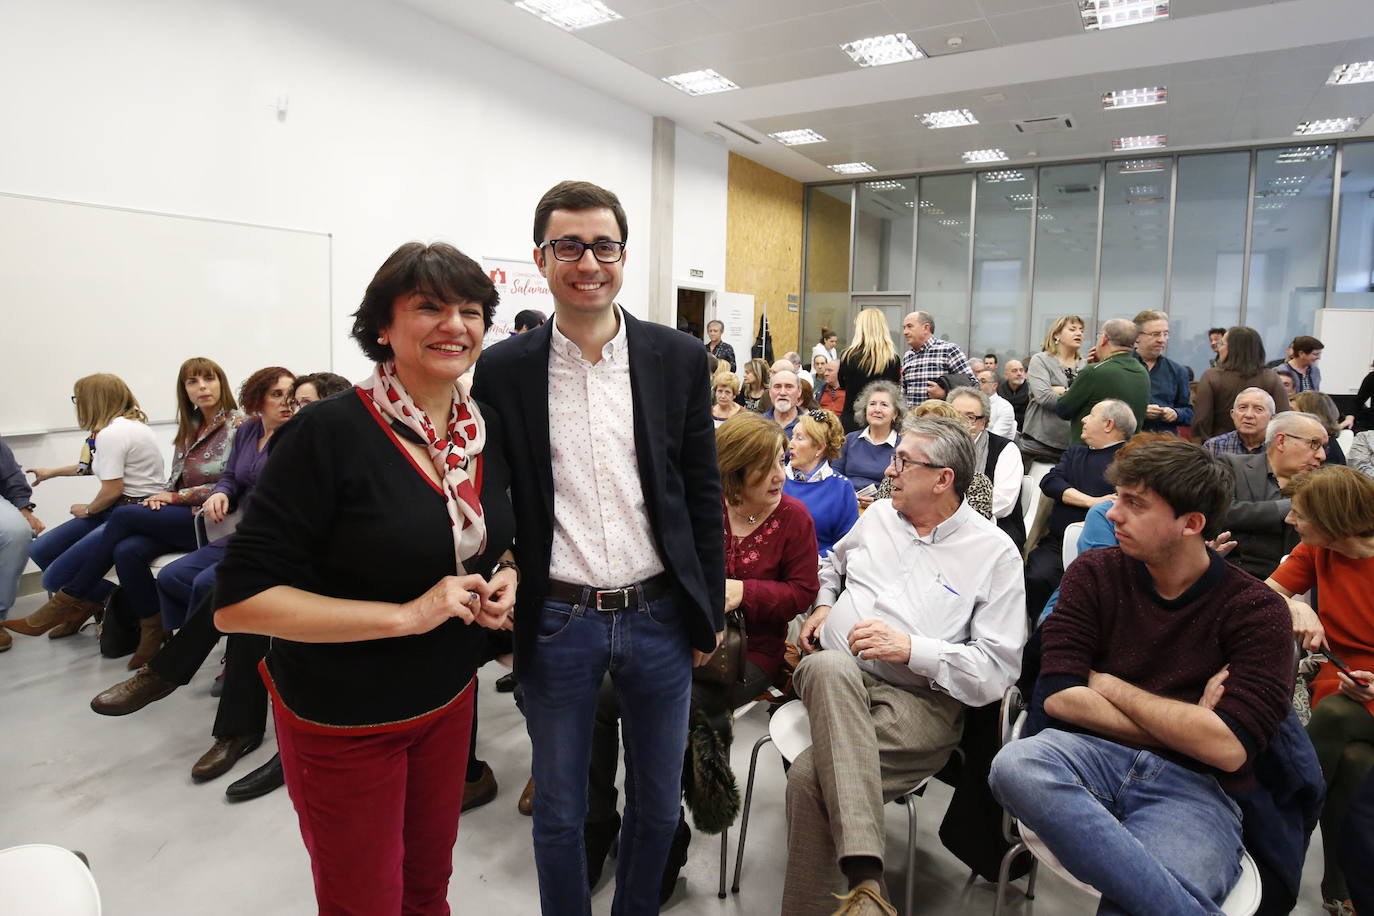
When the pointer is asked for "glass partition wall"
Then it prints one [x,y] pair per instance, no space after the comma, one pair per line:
[1213,238]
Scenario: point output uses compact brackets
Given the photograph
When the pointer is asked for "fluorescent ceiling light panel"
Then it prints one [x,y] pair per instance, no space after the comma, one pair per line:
[1345,74]
[1327,126]
[700,82]
[852,168]
[954,117]
[1149,141]
[1143,190]
[1287,180]
[570,14]
[1113,14]
[1133,166]
[1135,98]
[797,137]
[951,222]
[1018,198]
[885,185]
[985,155]
[882,49]
[1045,216]
[1012,175]
[1304,154]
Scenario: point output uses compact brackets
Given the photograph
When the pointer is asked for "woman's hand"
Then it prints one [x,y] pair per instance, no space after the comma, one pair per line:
[158,500]
[865,502]
[1307,626]
[497,610]
[216,507]
[734,593]
[42,474]
[810,636]
[451,596]
[1358,694]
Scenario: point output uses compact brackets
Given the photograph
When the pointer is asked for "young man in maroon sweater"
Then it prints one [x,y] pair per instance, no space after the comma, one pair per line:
[1165,671]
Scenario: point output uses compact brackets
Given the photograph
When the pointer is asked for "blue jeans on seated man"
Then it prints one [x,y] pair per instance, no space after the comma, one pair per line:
[1153,836]
[183,584]
[60,552]
[649,657]
[133,537]
[15,535]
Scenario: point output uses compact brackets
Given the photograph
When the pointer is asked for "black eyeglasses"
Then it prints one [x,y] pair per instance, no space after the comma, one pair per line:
[604,250]
[1313,443]
[974,417]
[73,399]
[901,464]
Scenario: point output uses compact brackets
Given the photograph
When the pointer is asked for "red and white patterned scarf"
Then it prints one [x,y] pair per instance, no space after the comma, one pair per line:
[467,436]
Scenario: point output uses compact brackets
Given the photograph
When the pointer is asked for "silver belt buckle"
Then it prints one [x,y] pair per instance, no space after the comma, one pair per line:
[624,598]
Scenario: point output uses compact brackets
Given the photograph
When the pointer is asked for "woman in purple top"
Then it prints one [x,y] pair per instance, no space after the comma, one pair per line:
[184,583]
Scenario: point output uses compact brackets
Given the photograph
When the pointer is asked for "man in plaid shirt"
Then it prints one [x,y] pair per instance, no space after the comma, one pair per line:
[1251,412]
[928,360]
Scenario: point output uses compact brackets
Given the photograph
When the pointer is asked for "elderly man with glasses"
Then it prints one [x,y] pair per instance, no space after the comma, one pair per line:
[920,613]
[1293,442]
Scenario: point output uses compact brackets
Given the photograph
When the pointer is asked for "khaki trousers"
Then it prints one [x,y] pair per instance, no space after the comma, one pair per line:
[871,742]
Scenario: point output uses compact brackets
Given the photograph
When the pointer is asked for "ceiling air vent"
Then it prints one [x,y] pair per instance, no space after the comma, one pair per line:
[1049,125]
[737,133]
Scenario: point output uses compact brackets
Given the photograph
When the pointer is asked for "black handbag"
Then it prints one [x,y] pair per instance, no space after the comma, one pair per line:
[727,665]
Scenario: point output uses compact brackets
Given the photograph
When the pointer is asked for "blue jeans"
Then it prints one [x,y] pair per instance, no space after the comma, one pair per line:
[649,658]
[133,537]
[61,551]
[1151,835]
[183,584]
[15,535]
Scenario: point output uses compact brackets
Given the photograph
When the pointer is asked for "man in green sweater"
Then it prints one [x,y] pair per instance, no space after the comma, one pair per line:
[1115,374]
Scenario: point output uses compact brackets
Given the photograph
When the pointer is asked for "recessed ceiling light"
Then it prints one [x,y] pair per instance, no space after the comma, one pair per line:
[797,137]
[1270,205]
[1345,74]
[1147,141]
[700,82]
[1279,192]
[1044,216]
[1327,126]
[1287,180]
[985,155]
[885,185]
[1132,166]
[994,177]
[951,222]
[1135,98]
[1018,198]
[1143,190]
[570,14]
[1113,14]
[1304,154]
[910,203]
[955,117]
[852,168]
[882,49]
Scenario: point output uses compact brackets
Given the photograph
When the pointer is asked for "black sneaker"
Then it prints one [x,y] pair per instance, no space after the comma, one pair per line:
[677,857]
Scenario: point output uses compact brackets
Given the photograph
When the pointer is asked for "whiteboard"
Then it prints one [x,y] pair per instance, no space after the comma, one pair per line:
[87,288]
[1349,338]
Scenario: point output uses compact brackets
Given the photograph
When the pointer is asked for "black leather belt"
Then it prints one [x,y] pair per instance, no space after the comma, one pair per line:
[611,599]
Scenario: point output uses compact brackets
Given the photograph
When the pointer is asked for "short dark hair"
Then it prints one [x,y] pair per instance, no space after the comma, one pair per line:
[525,319]
[1183,474]
[1304,343]
[1211,331]
[437,270]
[577,195]
[325,383]
[254,389]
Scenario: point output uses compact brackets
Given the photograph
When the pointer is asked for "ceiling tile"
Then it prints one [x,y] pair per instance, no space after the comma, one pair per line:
[679,24]
[1183,10]
[755,13]
[661,62]
[635,7]
[620,38]
[1036,25]
[972,35]
[993,8]
[925,14]
[787,67]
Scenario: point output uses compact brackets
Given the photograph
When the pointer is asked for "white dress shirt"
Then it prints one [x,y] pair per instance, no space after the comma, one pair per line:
[959,593]
[1006,480]
[1003,417]
[601,532]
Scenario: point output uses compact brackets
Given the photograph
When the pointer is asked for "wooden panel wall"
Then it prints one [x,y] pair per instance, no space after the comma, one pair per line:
[763,248]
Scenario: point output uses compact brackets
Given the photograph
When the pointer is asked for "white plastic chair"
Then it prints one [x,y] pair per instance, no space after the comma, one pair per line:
[1345,438]
[790,732]
[1243,900]
[1071,535]
[43,880]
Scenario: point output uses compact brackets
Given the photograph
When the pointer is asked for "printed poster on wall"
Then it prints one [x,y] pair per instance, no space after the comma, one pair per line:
[521,287]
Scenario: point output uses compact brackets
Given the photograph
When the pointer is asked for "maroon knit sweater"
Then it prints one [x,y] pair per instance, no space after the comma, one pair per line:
[1110,619]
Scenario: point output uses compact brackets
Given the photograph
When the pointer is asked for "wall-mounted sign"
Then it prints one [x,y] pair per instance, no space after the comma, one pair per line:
[697,272]
[521,286]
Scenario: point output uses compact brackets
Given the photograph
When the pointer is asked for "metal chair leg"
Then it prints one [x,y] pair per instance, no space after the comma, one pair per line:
[724,856]
[1030,878]
[911,855]
[1004,875]
[744,816]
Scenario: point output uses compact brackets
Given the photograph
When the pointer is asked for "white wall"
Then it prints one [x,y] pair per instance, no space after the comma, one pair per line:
[699,195]
[397,128]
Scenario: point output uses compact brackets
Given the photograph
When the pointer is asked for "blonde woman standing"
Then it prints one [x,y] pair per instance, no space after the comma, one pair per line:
[869,358]
[1049,374]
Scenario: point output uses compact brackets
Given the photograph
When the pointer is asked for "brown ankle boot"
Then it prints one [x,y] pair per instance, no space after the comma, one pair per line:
[5,639]
[78,613]
[57,608]
[151,636]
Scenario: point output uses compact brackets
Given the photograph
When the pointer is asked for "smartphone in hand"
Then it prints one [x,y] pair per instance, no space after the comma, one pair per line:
[1345,669]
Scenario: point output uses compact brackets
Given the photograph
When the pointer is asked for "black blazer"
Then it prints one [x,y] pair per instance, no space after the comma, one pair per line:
[675,445]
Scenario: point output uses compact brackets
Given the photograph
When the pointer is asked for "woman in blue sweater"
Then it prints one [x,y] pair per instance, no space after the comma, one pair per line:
[816,441]
[868,450]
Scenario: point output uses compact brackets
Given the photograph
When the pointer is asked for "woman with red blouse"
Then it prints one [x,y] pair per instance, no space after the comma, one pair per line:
[771,576]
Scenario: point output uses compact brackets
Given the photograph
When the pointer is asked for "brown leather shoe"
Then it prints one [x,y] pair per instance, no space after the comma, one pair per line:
[53,612]
[132,695]
[151,636]
[526,803]
[222,755]
[480,790]
[6,640]
[77,615]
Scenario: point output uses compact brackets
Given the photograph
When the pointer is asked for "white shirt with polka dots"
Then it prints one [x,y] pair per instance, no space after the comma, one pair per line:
[601,532]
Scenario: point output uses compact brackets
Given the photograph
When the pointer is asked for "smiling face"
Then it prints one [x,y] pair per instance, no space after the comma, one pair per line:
[204,391]
[585,286]
[880,411]
[433,341]
[806,452]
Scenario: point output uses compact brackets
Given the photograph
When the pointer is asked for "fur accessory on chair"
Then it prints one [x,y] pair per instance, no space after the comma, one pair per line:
[711,790]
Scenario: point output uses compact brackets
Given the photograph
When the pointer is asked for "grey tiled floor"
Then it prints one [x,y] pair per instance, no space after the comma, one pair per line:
[120,790]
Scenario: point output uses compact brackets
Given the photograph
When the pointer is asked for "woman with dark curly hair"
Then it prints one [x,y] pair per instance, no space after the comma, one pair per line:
[375,549]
